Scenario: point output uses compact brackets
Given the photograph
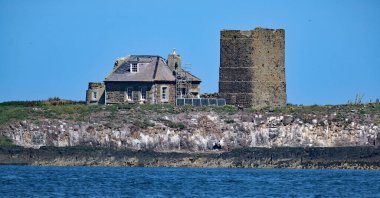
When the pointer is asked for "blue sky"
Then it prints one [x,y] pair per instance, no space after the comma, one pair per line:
[54,48]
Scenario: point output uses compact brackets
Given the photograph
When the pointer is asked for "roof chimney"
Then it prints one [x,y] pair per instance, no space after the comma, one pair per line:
[174,60]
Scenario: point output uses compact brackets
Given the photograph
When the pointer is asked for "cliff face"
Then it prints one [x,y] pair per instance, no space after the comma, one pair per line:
[197,130]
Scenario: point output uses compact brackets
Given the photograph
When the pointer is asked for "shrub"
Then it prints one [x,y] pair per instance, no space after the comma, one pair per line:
[5,141]
[178,125]
[143,124]
[229,121]
[174,125]
[225,108]
[39,103]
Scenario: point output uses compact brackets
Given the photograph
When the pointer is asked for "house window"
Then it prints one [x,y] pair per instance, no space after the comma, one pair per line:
[164,93]
[94,95]
[134,68]
[143,93]
[129,93]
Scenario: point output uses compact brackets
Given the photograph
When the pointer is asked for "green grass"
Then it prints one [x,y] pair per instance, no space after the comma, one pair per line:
[65,109]
[177,125]
[173,125]
[375,107]
[9,113]
[226,108]
[19,112]
[39,103]
[345,108]
[5,141]
[143,124]
[170,108]
[229,121]
[51,108]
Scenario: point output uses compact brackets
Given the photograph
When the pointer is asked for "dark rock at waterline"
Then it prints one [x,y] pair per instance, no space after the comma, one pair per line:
[280,157]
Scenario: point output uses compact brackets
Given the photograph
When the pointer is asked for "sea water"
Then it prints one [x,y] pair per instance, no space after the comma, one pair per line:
[42,181]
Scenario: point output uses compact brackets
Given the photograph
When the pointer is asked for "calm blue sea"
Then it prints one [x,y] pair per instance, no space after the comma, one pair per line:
[35,181]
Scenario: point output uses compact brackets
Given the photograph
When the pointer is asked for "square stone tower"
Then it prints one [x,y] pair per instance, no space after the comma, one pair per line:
[252,67]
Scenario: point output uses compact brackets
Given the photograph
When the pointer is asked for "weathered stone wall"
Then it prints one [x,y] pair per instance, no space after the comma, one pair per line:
[116,92]
[95,87]
[171,87]
[252,67]
[173,60]
[195,90]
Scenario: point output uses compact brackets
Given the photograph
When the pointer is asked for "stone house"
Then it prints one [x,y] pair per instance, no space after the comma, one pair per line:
[144,79]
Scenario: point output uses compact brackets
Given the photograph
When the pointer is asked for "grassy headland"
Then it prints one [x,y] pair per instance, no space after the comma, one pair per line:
[56,108]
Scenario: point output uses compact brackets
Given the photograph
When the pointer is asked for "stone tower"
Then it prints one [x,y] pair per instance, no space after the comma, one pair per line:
[252,67]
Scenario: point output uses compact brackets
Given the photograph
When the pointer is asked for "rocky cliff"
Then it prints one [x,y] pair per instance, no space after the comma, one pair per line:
[169,128]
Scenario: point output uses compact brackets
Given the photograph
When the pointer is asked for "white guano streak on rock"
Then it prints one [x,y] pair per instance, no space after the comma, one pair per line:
[203,131]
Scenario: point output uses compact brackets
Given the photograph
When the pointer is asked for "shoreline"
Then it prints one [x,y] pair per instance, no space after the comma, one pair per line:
[280,157]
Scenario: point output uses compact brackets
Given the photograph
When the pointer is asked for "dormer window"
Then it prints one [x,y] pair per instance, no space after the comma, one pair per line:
[134,68]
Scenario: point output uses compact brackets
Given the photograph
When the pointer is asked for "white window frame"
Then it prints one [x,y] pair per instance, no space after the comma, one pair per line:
[94,95]
[127,96]
[137,67]
[166,98]
[143,94]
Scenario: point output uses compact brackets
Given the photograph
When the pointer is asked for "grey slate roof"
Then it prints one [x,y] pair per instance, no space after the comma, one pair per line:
[151,68]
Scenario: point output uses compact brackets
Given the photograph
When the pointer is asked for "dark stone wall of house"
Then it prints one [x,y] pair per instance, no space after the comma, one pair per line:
[252,67]
[116,92]
[171,87]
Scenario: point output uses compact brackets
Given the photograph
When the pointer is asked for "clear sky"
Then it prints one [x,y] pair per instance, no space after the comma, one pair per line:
[53,48]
